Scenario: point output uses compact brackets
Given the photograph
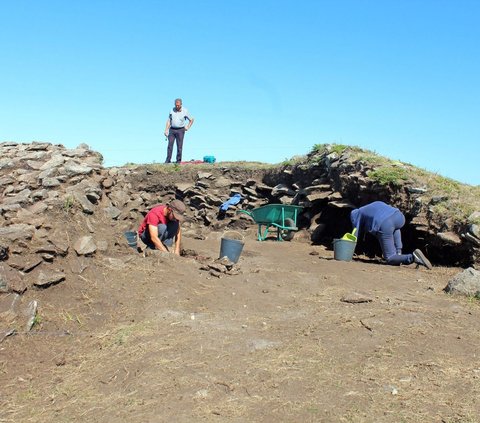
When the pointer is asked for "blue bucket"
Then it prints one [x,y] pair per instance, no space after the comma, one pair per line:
[131,238]
[343,249]
[231,248]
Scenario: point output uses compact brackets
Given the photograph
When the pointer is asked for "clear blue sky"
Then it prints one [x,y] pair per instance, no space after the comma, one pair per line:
[265,80]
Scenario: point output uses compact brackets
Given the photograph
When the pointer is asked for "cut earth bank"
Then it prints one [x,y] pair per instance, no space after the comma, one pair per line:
[288,334]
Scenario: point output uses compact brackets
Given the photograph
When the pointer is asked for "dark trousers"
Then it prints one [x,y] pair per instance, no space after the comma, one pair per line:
[166,233]
[175,135]
[390,239]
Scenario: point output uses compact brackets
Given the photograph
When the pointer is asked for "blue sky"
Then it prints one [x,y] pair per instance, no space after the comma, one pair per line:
[265,80]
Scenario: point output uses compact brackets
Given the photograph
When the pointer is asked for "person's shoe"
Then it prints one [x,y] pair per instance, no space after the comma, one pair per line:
[167,162]
[419,258]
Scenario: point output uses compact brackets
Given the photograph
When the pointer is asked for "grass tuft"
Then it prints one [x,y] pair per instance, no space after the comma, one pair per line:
[389,175]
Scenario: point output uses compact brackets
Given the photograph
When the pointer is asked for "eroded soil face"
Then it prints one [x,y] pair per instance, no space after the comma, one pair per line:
[156,338]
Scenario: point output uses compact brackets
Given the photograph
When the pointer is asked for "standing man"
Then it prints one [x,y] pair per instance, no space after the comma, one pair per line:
[175,129]
[161,227]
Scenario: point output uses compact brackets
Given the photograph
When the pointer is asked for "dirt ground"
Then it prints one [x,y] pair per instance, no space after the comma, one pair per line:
[157,339]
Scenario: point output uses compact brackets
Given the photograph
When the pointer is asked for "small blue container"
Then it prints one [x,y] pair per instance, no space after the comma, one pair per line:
[209,159]
[131,238]
[231,248]
[343,249]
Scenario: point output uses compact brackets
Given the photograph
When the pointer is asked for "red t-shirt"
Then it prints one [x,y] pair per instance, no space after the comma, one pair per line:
[154,217]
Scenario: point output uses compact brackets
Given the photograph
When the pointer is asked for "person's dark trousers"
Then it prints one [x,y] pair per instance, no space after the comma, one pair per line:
[166,233]
[390,239]
[175,135]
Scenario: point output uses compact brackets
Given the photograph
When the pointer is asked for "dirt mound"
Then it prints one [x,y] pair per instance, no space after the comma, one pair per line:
[92,330]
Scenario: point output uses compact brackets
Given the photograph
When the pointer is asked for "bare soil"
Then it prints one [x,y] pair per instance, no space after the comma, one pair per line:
[157,339]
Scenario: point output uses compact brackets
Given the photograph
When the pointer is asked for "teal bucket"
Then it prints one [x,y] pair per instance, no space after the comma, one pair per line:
[209,159]
[231,248]
[131,238]
[343,249]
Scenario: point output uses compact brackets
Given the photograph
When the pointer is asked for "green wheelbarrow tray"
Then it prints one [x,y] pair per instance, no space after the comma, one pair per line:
[280,216]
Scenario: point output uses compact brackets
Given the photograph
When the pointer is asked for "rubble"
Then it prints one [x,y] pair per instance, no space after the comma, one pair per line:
[51,197]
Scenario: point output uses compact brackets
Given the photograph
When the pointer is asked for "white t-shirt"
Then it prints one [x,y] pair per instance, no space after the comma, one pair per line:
[177,119]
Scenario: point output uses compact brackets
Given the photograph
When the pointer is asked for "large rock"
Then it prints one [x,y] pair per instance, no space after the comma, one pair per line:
[85,246]
[38,146]
[183,186]
[60,243]
[317,188]
[205,175]
[25,262]
[465,283]
[222,182]
[40,194]
[11,280]
[318,196]
[73,169]
[16,232]
[34,164]
[119,198]
[85,204]
[56,161]
[6,163]
[281,189]
[29,179]
[112,211]
[50,182]
[77,152]
[38,208]
[449,238]
[20,198]
[107,183]
[6,180]
[48,278]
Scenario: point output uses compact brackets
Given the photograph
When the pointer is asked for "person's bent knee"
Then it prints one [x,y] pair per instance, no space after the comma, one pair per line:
[392,262]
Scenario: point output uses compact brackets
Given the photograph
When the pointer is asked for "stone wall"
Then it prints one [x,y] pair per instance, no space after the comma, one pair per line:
[41,183]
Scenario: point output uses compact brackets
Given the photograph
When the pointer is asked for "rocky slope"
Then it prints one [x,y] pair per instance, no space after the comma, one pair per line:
[58,205]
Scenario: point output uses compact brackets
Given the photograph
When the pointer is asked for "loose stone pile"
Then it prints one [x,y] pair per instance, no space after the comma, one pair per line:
[41,183]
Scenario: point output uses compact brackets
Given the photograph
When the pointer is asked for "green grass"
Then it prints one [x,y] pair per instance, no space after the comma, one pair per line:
[460,201]
[331,148]
[124,333]
[295,160]
[68,203]
[389,175]
[162,168]
[37,320]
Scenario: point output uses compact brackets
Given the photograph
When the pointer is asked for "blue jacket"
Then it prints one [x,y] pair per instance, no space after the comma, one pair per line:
[369,218]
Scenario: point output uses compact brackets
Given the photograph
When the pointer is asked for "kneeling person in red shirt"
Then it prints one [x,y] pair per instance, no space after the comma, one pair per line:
[161,226]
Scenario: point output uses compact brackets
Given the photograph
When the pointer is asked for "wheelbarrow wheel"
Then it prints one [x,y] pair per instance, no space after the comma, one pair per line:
[285,233]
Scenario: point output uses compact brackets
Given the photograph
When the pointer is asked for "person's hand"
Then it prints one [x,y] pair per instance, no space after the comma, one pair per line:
[166,133]
[186,129]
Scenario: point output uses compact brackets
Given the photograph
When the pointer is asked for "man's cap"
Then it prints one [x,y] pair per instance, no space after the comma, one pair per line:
[178,208]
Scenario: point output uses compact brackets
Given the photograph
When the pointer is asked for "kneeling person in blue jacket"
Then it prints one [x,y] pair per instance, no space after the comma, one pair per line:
[384,222]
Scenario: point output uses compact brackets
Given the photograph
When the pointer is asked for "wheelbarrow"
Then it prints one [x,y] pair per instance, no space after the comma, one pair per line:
[280,216]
